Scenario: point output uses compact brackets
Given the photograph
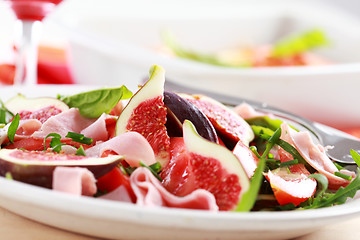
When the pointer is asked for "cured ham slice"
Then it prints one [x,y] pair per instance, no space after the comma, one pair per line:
[314,154]
[98,130]
[246,111]
[25,129]
[150,193]
[74,180]
[246,157]
[67,121]
[132,145]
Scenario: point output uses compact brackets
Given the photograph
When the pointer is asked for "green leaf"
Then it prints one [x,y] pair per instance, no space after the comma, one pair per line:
[152,170]
[356,156]
[80,138]
[94,103]
[265,133]
[80,151]
[55,142]
[299,44]
[339,197]
[13,127]
[182,52]
[248,199]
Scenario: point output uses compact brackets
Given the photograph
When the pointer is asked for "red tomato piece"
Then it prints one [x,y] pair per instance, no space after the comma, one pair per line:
[114,179]
[291,185]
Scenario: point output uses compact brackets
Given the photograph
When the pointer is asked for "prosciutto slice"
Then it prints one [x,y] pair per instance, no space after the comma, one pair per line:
[74,180]
[314,154]
[25,129]
[67,121]
[150,193]
[132,145]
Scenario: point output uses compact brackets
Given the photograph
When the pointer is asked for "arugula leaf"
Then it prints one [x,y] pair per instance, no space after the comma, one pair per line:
[249,197]
[356,156]
[339,197]
[265,133]
[300,44]
[13,127]
[92,104]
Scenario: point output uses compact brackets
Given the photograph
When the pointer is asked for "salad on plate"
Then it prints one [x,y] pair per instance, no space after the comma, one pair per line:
[290,51]
[157,148]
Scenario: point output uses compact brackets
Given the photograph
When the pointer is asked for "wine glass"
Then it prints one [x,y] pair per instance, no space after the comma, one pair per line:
[30,14]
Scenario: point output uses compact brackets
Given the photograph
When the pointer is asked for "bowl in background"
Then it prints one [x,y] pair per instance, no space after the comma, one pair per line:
[113,43]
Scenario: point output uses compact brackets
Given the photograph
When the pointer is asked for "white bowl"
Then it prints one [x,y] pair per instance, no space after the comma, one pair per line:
[114,42]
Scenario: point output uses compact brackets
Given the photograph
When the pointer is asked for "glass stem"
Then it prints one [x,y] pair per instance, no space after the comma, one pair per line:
[27,56]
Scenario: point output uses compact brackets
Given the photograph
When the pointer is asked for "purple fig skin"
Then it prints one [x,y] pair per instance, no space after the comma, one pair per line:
[185,110]
[41,175]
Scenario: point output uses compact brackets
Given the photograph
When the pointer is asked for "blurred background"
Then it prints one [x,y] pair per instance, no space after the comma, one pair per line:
[239,48]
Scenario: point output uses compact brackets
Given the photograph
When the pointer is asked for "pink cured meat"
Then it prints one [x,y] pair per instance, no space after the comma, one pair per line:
[150,193]
[246,157]
[132,145]
[67,121]
[97,130]
[314,154]
[25,129]
[74,180]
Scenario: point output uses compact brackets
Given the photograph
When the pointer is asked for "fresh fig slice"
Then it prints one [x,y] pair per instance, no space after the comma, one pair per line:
[35,108]
[205,165]
[20,103]
[145,113]
[230,127]
[184,110]
[36,167]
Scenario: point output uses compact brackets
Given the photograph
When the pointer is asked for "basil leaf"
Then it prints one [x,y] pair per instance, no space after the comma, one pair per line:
[13,127]
[92,104]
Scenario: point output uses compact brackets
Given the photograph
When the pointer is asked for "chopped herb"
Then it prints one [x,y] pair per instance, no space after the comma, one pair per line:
[152,170]
[289,163]
[156,167]
[343,175]
[55,143]
[265,133]
[13,127]
[80,151]
[338,166]
[80,138]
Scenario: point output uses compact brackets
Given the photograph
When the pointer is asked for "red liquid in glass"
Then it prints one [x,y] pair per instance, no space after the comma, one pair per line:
[33,10]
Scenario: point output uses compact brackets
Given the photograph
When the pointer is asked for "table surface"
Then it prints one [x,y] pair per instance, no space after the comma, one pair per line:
[13,226]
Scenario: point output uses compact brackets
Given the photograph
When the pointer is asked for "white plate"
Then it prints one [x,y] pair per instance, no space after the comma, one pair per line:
[115,220]
[109,219]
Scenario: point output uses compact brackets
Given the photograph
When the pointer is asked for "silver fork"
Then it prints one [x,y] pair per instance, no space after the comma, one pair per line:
[327,136]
